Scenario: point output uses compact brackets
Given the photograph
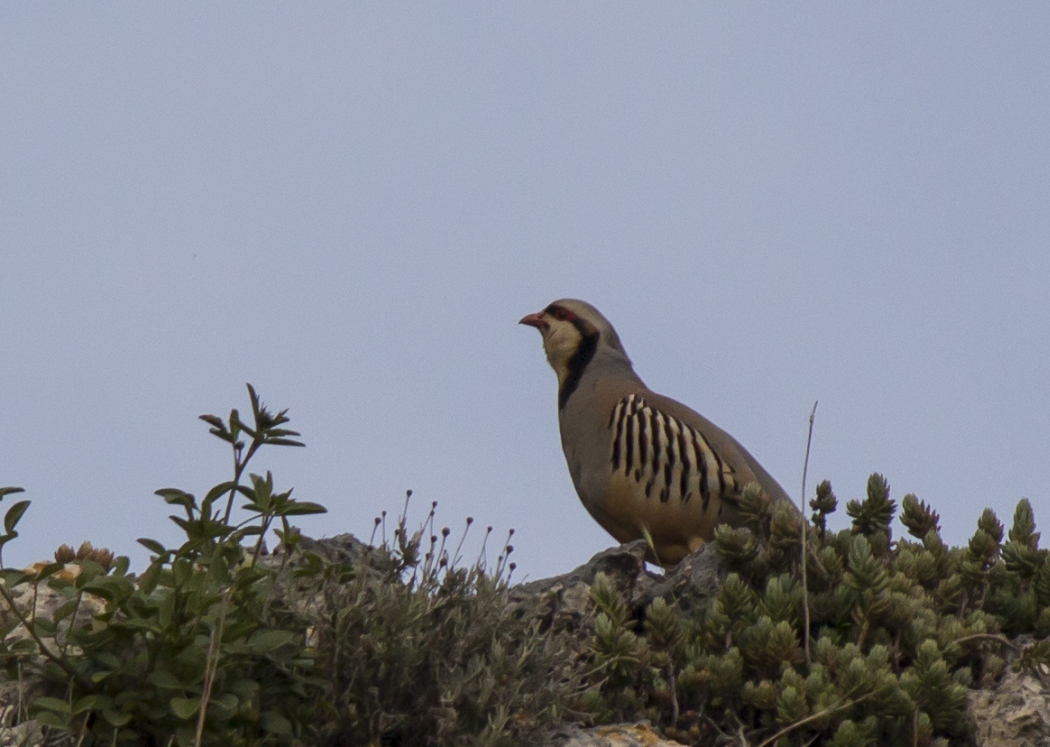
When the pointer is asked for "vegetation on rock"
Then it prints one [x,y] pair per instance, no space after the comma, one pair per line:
[898,630]
[399,642]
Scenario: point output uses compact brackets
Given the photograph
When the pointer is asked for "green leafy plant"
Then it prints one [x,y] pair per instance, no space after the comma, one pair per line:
[218,642]
[198,649]
[899,631]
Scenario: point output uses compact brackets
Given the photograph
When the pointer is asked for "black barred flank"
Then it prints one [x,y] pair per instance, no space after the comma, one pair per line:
[629,458]
[683,485]
[654,421]
[666,455]
[617,413]
[643,440]
[701,464]
[669,435]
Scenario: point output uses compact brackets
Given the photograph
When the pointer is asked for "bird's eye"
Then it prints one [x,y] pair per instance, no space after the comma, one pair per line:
[563,315]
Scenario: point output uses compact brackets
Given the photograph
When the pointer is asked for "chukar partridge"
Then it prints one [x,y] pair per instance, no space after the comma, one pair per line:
[643,464]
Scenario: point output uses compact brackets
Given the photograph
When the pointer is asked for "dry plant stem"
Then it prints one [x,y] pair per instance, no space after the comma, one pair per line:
[816,716]
[72,621]
[983,637]
[805,555]
[674,695]
[212,667]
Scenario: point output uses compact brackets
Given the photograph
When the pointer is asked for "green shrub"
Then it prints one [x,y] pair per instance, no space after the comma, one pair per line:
[898,631]
[197,650]
[217,642]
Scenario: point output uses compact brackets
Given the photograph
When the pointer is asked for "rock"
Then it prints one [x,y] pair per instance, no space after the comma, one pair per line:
[38,601]
[564,602]
[1015,714]
[342,548]
[42,601]
[618,735]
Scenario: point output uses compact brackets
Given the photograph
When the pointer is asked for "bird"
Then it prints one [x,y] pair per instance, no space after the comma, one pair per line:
[644,466]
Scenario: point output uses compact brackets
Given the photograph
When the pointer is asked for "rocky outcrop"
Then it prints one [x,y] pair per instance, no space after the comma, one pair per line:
[564,602]
[619,735]
[1016,713]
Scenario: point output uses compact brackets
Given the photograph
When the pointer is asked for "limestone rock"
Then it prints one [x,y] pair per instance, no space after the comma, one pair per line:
[618,735]
[563,602]
[1014,714]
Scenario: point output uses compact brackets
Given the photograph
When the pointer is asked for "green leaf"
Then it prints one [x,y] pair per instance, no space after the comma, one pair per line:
[244,689]
[53,719]
[165,680]
[89,572]
[121,565]
[52,704]
[176,497]
[141,623]
[262,491]
[182,570]
[64,610]
[166,609]
[24,646]
[184,708]
[14,514]
[1023,531]
[185,736]
[265,641]
[148,579]
[153,546]
[219,570]
[218,491]
[224,706]
[116,718]
[284,442]
[10,491]
[93,703]
[275,723]
[12,577]
[302,508]
[213,420]
[49,570]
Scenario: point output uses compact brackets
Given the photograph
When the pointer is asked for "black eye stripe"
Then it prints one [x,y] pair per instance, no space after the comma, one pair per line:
[560,313]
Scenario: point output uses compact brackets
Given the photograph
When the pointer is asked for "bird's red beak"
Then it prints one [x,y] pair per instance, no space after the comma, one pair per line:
[534,320]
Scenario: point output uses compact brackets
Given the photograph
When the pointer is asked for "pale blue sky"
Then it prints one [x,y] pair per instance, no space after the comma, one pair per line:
[351,205]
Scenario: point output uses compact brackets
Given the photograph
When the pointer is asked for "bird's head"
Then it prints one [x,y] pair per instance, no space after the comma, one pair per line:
[573,332]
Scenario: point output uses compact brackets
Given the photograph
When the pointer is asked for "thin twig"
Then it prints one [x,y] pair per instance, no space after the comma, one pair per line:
[212,666]
[815,717]
[805,555]
[983,637]
[674,695]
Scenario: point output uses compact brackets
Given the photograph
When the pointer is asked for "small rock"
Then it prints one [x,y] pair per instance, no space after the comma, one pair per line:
[564,602]
[618,735]
[1015,714]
